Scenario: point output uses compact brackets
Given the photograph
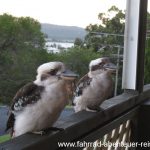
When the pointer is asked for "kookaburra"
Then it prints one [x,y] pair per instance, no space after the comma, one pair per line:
[96,86]
[38,104]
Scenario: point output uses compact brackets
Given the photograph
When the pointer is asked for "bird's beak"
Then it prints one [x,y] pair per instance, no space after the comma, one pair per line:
[111,67]
[68,75]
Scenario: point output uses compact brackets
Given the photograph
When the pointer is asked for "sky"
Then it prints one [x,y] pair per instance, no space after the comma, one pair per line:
[62,12]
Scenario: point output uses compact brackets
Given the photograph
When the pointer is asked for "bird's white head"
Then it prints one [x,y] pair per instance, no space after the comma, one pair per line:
[51,68]
[51,72]
[100,65]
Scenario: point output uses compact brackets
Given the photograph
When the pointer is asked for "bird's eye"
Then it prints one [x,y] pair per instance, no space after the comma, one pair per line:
[94,67]
[53,72]
[101,64]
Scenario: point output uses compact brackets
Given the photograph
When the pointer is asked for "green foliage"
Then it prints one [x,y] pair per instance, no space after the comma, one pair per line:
[4,138]
[21,51]
[78,42]
[19,32]
[17,69]
[108,24]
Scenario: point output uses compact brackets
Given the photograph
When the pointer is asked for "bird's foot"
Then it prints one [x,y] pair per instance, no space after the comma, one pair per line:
[87,109]
[45,131]
[94,109]
[39,132]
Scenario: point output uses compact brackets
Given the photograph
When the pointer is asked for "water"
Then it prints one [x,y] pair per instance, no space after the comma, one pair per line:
[56,47]
[3,119]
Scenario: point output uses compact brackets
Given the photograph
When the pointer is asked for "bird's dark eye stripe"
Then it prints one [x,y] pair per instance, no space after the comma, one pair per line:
[102,63]
[96,67]
[53,72]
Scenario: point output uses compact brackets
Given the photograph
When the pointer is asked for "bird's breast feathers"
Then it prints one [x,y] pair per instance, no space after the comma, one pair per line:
[88,87]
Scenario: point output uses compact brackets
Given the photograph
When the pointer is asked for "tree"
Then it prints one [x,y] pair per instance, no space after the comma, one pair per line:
[30,31]
[21,52]
[20,32]
[17,70]
[78,42]
[98,34]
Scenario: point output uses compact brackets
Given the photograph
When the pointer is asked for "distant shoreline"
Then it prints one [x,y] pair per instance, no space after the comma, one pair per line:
[61,41]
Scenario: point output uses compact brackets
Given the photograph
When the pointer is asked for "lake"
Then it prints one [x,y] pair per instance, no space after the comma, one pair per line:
[56,47]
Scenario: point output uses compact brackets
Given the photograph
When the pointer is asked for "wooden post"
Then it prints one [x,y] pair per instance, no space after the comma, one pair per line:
[141,45]
[144,126]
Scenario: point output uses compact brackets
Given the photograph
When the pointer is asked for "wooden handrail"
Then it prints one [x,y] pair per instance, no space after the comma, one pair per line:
[77,126]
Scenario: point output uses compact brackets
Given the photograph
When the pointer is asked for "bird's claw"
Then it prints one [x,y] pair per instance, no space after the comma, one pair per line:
[94,109]
[45,131]
[40,132]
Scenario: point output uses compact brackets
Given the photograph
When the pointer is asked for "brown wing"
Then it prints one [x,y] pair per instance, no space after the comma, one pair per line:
[82,84]
[28,94]
[10,123]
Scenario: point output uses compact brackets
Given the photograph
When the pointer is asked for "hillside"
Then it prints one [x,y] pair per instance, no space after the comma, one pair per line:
[63,33]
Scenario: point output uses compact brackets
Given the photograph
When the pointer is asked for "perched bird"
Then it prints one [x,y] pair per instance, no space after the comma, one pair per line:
[38,104]
[95,87]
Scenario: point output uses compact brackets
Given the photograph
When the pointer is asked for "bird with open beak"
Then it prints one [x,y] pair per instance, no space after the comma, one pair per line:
[96,86]
[37,105]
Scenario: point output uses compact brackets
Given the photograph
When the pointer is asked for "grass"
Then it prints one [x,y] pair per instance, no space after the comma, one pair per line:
[69,106]
[4,138]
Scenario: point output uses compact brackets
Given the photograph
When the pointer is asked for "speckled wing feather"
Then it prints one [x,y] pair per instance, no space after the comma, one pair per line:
[82,84]
[28,94]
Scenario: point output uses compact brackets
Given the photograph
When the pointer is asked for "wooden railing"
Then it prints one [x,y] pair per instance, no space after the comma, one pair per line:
[127,114]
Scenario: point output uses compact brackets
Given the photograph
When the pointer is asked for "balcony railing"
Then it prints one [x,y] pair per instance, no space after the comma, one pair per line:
[123,119]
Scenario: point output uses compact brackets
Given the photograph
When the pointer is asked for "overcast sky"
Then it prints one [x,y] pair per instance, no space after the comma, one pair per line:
[62,12]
